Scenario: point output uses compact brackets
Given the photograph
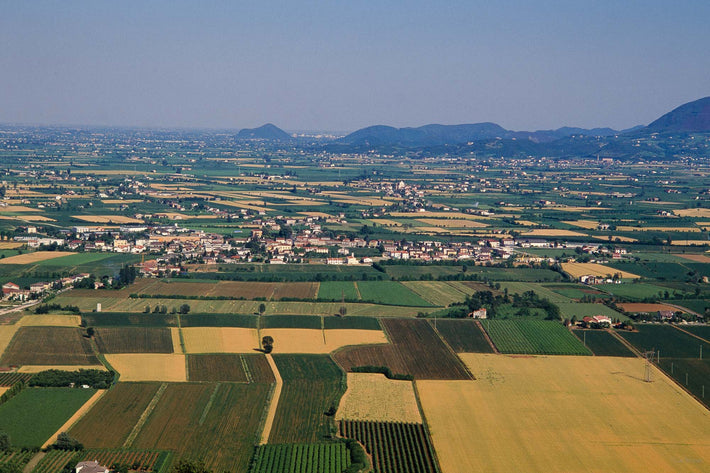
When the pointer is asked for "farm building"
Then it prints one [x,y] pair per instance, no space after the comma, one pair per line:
[601,321]
[90,467]
[481,313]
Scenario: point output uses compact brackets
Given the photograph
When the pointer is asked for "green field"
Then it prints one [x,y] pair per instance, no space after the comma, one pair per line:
[290,321]
[602,343]
[54,461]
[312,385]
[391,293]
[35,414]
[362,323]
[671,343]
[301,458]
[439,293]
[693,375]
[539,289]
[463,336]
[533,337]
[581,310]
[633,291]
[337,291]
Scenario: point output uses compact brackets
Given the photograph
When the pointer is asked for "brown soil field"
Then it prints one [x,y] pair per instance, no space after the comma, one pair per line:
[48,346]
[216,367]
[134,340]
[110,421]
[371,396]
[258,368]
[634,307]
[697,258]
[37,256]
[302,340]
[149,367]
[220,340]
[553,409]
[697,213]
[107,219]
[577,270]
[415,349]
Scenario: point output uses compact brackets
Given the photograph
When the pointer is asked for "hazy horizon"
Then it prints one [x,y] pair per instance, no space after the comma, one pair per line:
[338,67]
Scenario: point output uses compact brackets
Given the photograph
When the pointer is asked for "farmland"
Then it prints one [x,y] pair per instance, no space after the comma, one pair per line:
[217,367]
[371,396]
[133,340]
[379,292]
[149,366]
[219,339]
[32,416]
[438,293]
[692,374]
[533,337]
[301,458]
[415,349]
[577,270]
[228,289]
[602,343]
[35,257]
[54,461]
[670,342]
[48,346]
[659,428]
[320,341]
[463,336]
[394,447]
[8,379]
[312,384]
[581,310]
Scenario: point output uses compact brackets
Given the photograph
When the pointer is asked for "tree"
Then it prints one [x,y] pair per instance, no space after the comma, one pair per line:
[90,332]
[4,441]
[262,308]
[67,442]
[190,466]
[184,309]
[267,343]
[146,310]
[343,310]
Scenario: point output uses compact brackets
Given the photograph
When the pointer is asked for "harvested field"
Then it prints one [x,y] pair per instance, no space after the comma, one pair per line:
[207,422]
[312,384]
[697,258]
[149,367]
[415,349]
[231,289]
[541,404]
[7,332]
[576,270]
[216,367]
[3,389]
[696,213]
[35,257]
[439,293]
[220,340]
[316,341]
[134,340]
[690,242]
[10,245]
[552,232]
[615,238]
[39,368]
[50,320]
[112,418]
[637,307]
[371,396]
[48,346]
[107,219]
[586,224]
[463,336]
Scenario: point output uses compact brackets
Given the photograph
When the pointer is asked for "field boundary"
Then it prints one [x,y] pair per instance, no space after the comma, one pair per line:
[274,397]
[689,333]
[626,343]
[425,423]
[144,416]
[453,352]
[487,337]
[86,407]
[245,367]
[208,406]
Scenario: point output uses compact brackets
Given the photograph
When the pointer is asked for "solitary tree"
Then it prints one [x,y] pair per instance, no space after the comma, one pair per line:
[343,310]
[267,343]
[184,309]
[262,308]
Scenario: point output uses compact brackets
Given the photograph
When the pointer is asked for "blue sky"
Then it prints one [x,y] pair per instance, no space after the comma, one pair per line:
[342,65]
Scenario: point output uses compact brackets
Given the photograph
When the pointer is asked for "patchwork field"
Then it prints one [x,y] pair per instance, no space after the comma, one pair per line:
[35,257]
[542,406]
[533,337]
[371,396]
[231,289]
[437,292]
[577,270]
[48,346]
[107,219]
[667,340]
[553,232]
[289,340]
[220,339]
[133,340]
[217,367]
[415,349]
[149,366]
[49,320]
[463,336]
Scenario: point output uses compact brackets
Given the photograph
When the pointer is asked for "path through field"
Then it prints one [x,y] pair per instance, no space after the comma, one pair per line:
[274,404]
[75,418]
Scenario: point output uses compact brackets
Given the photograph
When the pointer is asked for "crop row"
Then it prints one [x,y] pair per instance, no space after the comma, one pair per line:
[301,458]
[9,379]
[534,337]
[54,461]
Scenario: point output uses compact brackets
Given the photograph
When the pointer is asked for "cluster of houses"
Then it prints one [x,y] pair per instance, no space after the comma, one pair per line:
[13,292]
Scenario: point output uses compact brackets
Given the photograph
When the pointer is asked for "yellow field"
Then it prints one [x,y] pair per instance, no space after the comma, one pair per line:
[3,389]
[526,223]
[121,201]
[50,320]
[587,224]
[303,340]
[564,414]
[316,214]
[702,213]
[552,232]
[565,208]
[577,270]
[690,242]
[615,238]
[107,219]
[220,340]
[28,218]
[372,397]
[175,336]
[149,367]
[452,223]
[433,214]
[29,258]
[10,245]
[38,368]
[657,229]
[6,334]
[17,208]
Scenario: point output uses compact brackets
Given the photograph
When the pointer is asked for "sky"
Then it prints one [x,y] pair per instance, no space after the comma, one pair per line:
[345,64]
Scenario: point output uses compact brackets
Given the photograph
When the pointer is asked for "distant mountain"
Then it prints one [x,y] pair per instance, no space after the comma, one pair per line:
[268,132]
[438,135]
[688,118]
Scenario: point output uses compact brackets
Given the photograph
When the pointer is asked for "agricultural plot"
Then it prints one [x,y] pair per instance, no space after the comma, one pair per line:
[653,270]
[391,293]
[133,340]
[353,323]
[54,461]
[9,379]
[659,428]
[539,289]
[394,447]
[316,341]
[577,270]
[331,457]
[107,319]
[220,340]
[702,331]
[581,310]
[373,397]
[574,291]
[634,291]
[228,289]
[149,366]
[696,305]
[290,321]
[33,415]
[692,374]
[48,346]
[258,368]
[49,320]
[35,257]
[438,293]
[14,459]
[112,418]
[218,320]
[192,419]
[414,349]
[533,337]
[138,460]
[337,291]
[642,307]
[671,343]
[312,384]
[463,336]
[602,343]
[216,368]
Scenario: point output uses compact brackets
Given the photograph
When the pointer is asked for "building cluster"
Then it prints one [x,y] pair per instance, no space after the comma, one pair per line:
[13,292]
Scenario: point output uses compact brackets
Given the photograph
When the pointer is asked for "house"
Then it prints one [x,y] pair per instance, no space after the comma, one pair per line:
[481,313]
[597,321]
[666,314]
[90,467]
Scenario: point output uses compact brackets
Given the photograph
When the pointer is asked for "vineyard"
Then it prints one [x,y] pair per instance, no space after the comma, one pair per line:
[54,461]
[14,458]
[463,336]
[394,447]
[301,458]
[533,337]
[134,340]
[9,379]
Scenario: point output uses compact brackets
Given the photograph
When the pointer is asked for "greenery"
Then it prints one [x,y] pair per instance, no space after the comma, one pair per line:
[97,379]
